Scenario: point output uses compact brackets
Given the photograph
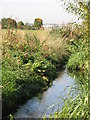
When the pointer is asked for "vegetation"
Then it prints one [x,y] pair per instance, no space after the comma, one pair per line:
[28,27]
[8,22]
[31,62]
[38,23]
[27,63]
[76,100]
[20,25]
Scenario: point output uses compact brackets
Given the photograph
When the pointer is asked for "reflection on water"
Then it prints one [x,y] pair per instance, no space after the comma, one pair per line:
[37,105]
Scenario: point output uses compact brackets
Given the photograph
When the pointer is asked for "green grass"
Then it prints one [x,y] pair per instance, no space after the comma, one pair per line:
[31,60]
[27,62]
[76,104]
[77,107]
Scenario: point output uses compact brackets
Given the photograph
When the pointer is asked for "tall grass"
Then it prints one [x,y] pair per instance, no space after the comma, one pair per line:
[76,102]
[29,65]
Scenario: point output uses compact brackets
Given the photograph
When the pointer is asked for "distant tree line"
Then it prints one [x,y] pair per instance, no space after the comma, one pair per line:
[11,23]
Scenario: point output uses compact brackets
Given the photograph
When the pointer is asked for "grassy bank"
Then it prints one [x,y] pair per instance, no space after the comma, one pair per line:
[76,100]
[32,59]
[76,103]
[29,64]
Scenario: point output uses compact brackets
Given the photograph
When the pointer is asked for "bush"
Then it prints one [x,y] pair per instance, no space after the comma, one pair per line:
[78,61]
[27,69]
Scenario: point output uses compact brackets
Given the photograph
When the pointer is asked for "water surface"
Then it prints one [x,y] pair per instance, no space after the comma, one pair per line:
[40,105]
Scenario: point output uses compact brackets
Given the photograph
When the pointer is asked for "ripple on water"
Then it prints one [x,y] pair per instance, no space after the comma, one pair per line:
[37,105]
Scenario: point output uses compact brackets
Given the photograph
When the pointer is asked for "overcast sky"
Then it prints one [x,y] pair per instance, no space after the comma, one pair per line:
[50,11]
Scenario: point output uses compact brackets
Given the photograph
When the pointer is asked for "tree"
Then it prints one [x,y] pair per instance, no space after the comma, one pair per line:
[79,45]
[8,23]
[38,23]
[78,7]
[11,23]
[4,23]
[81,9]
[20,25]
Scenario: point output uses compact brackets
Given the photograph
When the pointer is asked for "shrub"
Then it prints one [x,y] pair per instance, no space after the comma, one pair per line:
[27,68]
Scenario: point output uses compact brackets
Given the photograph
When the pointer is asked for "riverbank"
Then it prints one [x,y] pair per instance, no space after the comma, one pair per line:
[76,107]
[76,104]
[28,67]
[32,64]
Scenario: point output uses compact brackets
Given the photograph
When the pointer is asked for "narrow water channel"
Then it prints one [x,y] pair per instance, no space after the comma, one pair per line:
[40,105]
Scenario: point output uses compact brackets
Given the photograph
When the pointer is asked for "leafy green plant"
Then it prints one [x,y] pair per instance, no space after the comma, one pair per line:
[28,64]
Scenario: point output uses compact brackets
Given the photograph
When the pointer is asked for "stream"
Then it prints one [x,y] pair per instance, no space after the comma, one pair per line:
[47,102]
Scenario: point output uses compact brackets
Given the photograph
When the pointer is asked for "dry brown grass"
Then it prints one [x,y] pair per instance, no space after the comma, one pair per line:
[18,38]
